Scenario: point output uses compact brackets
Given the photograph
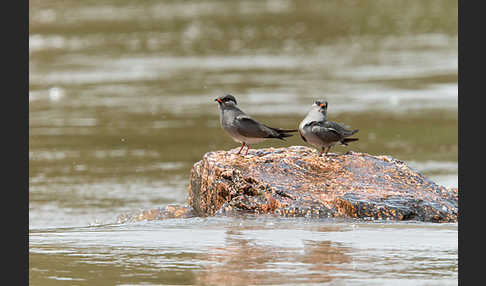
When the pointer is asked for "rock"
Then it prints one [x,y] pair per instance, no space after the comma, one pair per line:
[170,211]
[294,181]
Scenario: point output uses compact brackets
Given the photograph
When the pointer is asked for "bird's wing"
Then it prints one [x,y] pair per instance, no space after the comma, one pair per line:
[324,131]
[251,128]
[340,128]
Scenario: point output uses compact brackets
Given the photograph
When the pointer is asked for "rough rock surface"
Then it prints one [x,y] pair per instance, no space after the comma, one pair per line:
[294,181]
[170,211]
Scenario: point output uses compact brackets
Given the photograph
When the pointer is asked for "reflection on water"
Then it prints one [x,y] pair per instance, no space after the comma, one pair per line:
[121,106]
[224,251]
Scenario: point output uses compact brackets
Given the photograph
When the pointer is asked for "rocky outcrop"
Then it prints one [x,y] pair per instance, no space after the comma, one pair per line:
[170,211]
[294,181]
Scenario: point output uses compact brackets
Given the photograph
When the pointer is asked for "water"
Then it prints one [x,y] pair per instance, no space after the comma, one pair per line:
[121,105]
[247,251]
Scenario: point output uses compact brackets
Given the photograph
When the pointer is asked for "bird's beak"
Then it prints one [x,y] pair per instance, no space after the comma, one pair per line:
[322,105]
[218,100]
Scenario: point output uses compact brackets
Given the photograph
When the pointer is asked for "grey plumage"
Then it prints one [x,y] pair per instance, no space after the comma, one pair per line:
[244,129]
[316,130]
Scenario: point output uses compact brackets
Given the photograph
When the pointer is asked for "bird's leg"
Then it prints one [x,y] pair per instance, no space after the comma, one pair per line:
[247,148]
[321,151]
[242,145]
[328,148]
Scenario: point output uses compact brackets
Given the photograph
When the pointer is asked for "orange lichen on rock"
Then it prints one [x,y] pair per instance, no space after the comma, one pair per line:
[294,181]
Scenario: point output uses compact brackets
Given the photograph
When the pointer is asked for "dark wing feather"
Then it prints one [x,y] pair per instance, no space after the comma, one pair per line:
[325,133]
[340,128]
[330,131]
[249,127]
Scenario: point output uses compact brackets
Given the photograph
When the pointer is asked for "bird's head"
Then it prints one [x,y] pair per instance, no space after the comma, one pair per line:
[226,101]
[320,105]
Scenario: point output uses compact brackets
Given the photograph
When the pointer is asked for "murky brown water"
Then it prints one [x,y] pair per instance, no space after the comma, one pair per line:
[121,105]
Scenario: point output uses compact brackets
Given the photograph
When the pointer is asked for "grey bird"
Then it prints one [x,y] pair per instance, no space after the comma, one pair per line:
[316,130]
[244,129]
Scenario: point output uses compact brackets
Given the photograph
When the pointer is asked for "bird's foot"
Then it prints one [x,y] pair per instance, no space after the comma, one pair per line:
[242,145]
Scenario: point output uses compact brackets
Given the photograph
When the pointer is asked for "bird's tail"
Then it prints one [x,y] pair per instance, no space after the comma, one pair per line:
[354,131]
[345,141]
[283,133]
[285,130]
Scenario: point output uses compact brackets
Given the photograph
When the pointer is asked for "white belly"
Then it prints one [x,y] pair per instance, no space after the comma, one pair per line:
[247,140]
[240,138]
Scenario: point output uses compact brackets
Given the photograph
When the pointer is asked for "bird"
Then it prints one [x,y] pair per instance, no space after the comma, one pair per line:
[244,129]
[316,130]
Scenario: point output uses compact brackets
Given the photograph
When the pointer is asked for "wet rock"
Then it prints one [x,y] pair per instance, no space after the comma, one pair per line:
[170,211]
[294,181]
